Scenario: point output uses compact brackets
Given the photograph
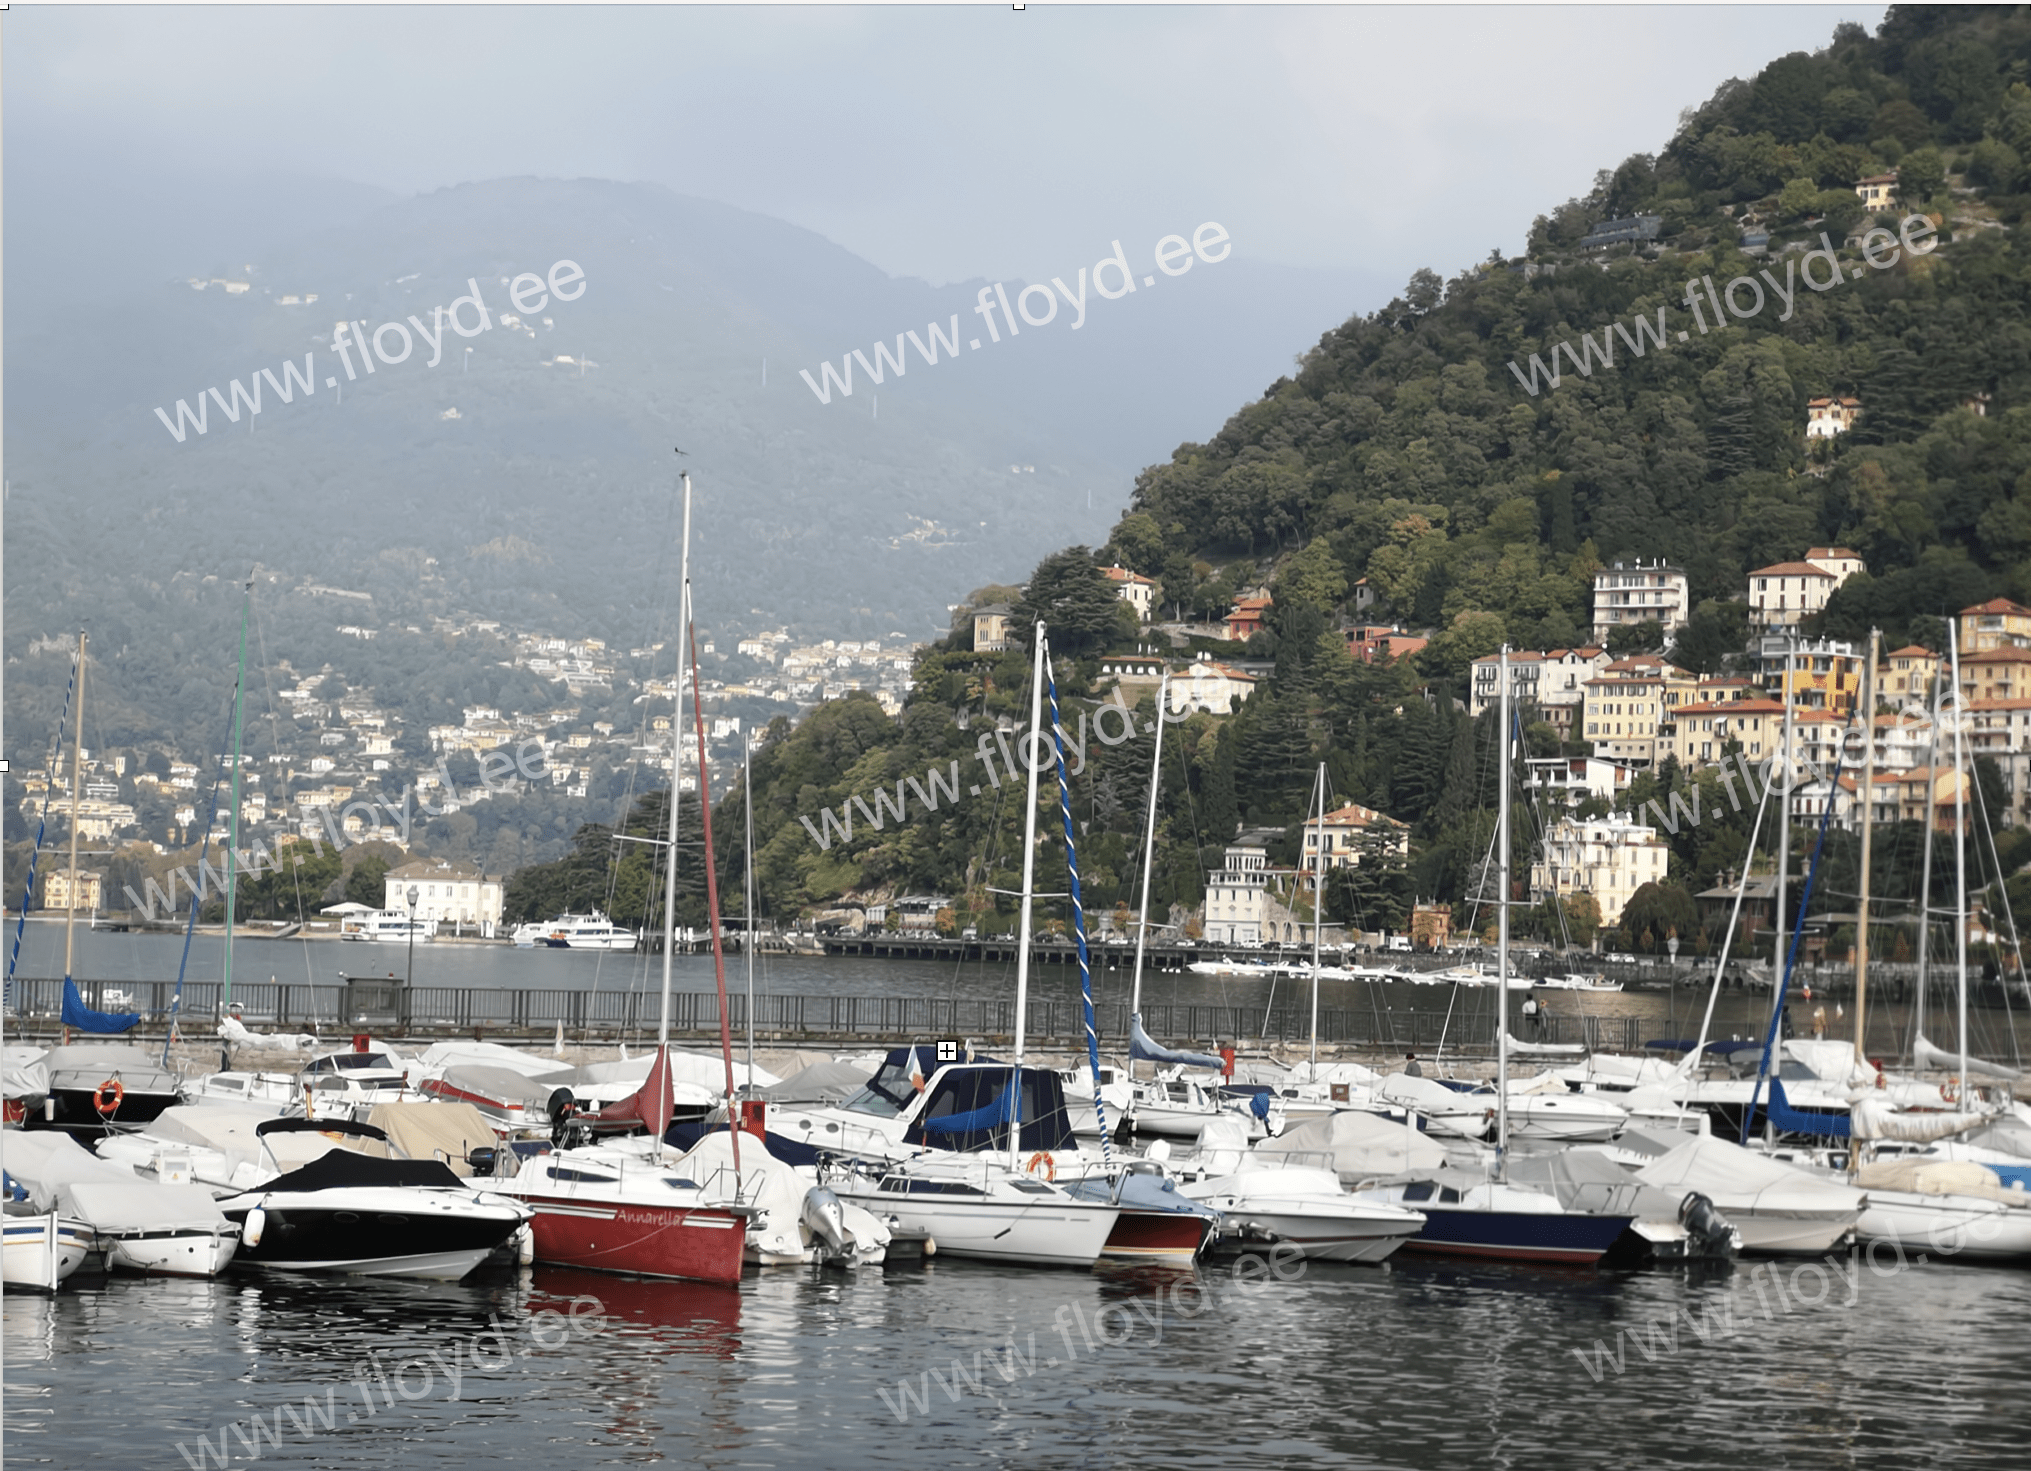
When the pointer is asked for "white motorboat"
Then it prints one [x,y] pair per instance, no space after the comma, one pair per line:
[387,927]
[369,1215]
[144,1226]
[155,1229]
[39,1250]
[347,1084]
[1568,1117]
[1945,1209]
[1307,1207]
[1596,983]
[272,1093]
[974,1205]
[1778,1209]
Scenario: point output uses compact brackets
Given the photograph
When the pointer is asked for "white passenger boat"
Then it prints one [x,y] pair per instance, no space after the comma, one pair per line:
[386,926]
[592,931]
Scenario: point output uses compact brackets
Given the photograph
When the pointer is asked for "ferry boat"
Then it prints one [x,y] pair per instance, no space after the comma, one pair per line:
[592,931]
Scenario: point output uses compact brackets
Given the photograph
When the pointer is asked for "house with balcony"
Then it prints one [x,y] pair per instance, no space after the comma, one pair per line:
[1609,858]
[1825,418]
[1994,624]
[1633,592]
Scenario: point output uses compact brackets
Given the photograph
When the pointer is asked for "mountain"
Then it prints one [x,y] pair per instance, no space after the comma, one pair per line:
[538,473]
[1478,447]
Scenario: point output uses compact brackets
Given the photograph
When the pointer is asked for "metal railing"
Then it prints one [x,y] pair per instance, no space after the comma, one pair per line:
[466,1009]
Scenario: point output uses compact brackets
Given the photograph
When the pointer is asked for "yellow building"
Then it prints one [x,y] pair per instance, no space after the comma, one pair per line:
[1993,624]
[1626,703]
[56,889]
[1699,735]
[1343,829]
[1906,675]
[2001,673]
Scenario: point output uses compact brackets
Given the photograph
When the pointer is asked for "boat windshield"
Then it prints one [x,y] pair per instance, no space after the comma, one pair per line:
[872,1099]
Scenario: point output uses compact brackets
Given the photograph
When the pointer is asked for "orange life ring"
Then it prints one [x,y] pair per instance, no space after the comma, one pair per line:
[1949,1091]
[100,1101]
[1050,1165]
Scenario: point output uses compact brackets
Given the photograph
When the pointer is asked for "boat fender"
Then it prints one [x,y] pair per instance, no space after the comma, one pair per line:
[108,1097]
[256,1223]
[525,1244]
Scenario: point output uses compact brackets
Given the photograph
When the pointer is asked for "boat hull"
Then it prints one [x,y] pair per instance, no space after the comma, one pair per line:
[1327,1236]
[365,1233]
[1780,1233]
[39,1252]
[1173,1237]
[1515,1236]
[1054,1234]
[1959,1227]
[172,1253]
[699,1244]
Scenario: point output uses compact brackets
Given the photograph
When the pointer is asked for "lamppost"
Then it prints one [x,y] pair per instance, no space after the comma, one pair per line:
[1671,948]
[413,893]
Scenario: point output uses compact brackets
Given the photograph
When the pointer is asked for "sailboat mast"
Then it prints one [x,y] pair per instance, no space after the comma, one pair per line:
[1782,927]
[1502,934]
[1960,863]
[233,817]
[747,802]
[711,892]
[1036,734]
[1149,849]
[1925,867]
[1868,831]
[1318,912]
[676,739]
[70,911]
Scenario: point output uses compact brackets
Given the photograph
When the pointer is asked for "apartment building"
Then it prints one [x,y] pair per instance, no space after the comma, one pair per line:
[1993,624]
[1824,674]
[1609,858]
[1632,592]
[1784,593]
[1235,897]
[1547,679]
[1627,702]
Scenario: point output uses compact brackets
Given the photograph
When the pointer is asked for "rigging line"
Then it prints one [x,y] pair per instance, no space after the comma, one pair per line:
[190,926]
[2009,919]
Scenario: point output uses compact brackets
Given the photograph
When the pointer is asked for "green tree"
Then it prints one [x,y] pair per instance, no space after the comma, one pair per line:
[1080,610]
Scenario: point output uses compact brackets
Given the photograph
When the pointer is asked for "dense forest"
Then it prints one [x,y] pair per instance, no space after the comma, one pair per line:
[1404,451]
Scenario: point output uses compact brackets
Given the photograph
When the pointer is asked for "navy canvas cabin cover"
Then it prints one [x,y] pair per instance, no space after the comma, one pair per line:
[968,1111]
[346,1167]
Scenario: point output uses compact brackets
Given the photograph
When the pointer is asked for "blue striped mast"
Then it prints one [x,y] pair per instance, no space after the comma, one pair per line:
[1078,912]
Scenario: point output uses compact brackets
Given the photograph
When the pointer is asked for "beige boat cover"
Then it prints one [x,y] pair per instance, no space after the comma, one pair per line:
[1871,1117]
[1359,1145]
[1939,1177]
[440,1131]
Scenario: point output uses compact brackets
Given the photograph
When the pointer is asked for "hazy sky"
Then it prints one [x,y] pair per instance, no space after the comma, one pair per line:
[943,142]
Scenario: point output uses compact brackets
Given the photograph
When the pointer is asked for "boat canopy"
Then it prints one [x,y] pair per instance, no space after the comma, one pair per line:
[1734,1178]
[1142,1049]
[87,1064]
[344,1169]
[968,1110]
[1791,1120]
[131,1206]
[446,1132]
[24,1072]
[821,1082]
[1360,1145]
[48,1161]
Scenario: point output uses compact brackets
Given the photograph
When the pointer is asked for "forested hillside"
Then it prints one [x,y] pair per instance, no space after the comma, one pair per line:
[1405,451]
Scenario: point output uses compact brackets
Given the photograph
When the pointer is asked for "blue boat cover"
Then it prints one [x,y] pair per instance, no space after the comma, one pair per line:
[1143,1050]
[1790,1120]
[970,1107]
[77,1014]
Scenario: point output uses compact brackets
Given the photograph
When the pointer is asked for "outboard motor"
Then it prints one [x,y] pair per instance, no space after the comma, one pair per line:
[826,1218]
[482,1162]
[562,1109]
[1711,1229]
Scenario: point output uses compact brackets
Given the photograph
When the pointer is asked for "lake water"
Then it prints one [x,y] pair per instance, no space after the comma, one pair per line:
[120,957]
[1414,1364]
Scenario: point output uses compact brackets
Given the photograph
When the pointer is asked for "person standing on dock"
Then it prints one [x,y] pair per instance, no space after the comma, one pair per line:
[1410,1067]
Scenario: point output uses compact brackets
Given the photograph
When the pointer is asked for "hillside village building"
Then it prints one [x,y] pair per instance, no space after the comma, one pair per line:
[1631,593]
[1994,624]
[1133,588]
[1609,858]
[1554,679]
[1784,593]
[1344,828]
[1627,702]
